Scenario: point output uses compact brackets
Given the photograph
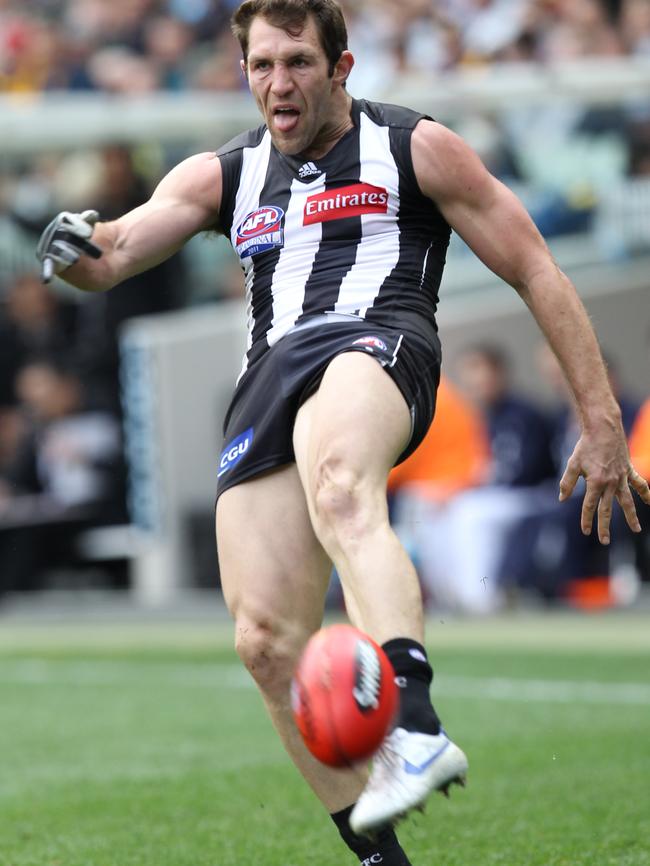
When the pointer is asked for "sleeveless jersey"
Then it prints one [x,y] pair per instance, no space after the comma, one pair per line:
[349,233]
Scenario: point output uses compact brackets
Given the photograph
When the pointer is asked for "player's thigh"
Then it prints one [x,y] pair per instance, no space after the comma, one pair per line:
[274,572]
[358,421]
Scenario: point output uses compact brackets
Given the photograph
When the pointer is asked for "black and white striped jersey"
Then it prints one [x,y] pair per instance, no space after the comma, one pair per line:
[349,233]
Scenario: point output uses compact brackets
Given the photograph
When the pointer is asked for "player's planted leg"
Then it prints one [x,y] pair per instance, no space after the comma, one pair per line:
[274,583]
[383,848]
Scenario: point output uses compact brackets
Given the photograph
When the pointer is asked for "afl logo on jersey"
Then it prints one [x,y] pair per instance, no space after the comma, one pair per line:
[260,230]
[370,343]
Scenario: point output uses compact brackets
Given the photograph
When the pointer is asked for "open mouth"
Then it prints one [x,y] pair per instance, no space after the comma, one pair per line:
[285,117]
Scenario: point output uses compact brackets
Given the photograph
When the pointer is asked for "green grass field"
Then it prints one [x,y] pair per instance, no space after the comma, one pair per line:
[125,745]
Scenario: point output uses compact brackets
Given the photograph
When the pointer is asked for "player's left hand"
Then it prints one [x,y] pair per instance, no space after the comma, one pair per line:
[603,460]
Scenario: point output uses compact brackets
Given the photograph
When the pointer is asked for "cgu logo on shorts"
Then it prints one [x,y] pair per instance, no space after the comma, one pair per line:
[259,231]
[370,861]
[371,343]
[346,201]
[233,453]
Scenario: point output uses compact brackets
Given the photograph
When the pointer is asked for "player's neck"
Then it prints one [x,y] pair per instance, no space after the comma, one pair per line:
[335,128]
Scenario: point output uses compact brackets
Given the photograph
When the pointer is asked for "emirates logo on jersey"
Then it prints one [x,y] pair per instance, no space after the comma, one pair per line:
[346,201]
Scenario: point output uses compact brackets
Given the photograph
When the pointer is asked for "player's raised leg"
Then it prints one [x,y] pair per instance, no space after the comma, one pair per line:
[346,438]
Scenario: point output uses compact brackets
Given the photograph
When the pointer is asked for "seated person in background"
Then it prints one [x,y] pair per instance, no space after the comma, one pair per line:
[546,552]
[66,475]
[467,540]
[518,429]
[454,457]
[33,321]
[156,290]
[458,540]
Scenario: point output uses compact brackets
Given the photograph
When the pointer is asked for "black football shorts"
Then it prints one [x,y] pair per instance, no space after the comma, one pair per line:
[258,428]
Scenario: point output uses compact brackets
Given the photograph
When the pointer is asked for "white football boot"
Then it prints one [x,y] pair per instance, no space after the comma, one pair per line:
[407,767]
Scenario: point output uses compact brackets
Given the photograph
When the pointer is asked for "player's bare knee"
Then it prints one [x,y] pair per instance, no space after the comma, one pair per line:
[267,653]
[342,502]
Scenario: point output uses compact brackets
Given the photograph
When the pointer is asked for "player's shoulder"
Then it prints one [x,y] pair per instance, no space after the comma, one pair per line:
[431,132]
[247,139]
[194,177]
[388,114]
[444,163]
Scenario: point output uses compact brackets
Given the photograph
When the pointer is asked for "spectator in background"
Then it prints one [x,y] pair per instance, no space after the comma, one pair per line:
[635,26]
[469,536]
[453,456]
[167,42]
[518,430]
[639,147]
[158,290]
[491,27]
[425,489]
[33,321]
[119,70]
[564,425]
[546,551]
[461,542]
[12,429]
[218,69]
[66,475]
[581,28]
[28,54]
[134,46]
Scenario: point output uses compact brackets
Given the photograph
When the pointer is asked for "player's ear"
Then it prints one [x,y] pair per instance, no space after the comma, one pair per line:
[243,65]
[343,68]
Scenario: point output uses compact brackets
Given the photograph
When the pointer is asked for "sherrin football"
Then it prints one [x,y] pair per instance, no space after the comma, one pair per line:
[343,695]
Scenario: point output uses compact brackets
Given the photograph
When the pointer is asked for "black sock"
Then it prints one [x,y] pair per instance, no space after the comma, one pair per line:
[413,675]
[385,850]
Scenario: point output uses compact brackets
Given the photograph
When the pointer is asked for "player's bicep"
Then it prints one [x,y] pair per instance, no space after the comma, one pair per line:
[484,212]
[184,203]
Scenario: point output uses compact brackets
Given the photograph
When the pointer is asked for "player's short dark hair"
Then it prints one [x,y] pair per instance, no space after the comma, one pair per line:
[291,15]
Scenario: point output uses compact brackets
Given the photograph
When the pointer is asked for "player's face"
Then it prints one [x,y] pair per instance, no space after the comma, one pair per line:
[289,78]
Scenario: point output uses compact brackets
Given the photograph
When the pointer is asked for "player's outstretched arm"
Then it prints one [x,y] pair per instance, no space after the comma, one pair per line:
[95,256]
[496,226]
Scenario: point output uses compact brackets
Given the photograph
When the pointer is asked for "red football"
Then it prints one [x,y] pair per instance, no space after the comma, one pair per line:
[343,695]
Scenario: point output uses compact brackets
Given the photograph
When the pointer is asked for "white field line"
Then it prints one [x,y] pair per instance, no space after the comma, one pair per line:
[544,691]
[232,676]
[109,673]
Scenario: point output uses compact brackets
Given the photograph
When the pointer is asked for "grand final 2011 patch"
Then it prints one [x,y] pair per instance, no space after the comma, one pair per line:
[260,230]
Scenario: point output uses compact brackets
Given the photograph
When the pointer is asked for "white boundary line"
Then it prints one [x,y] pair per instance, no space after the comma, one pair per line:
[544,691]
[232,676]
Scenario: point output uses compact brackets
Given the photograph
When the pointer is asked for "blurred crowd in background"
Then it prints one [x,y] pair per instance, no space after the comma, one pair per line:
[62,465]
[147,45]
[477,504]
